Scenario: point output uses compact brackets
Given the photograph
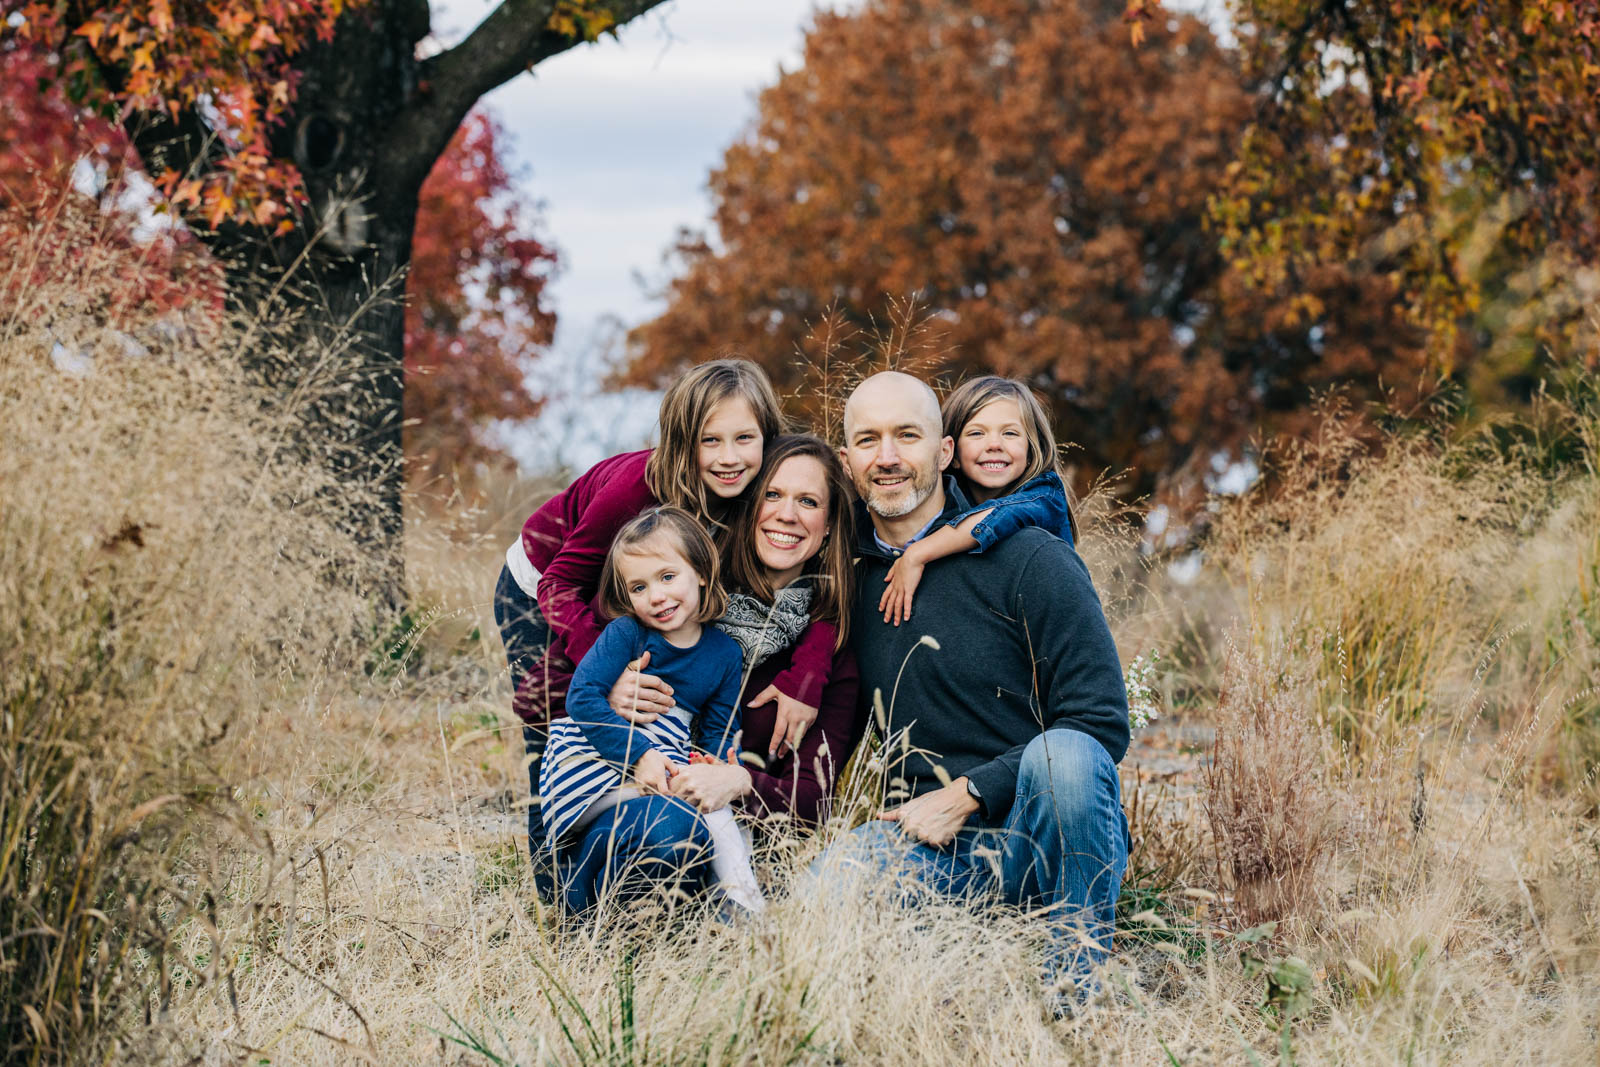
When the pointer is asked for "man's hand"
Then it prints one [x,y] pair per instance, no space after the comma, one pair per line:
[794,719]
[640,698]
[903,577]
[652,773]
[935,817]
[710,784]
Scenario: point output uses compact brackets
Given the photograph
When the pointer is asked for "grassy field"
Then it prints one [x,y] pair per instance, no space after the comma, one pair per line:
[248,822]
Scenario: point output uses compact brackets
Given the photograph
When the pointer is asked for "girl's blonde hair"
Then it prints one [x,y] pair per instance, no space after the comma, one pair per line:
[673,471]
[831,572]
[691,541]
[970,397]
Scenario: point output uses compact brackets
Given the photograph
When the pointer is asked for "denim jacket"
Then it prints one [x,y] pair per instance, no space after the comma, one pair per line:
[1041,502]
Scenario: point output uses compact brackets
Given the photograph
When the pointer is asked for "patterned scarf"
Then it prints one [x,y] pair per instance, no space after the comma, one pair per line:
[761,629]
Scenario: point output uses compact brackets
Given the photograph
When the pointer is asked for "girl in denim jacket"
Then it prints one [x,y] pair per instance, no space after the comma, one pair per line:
[1007,464]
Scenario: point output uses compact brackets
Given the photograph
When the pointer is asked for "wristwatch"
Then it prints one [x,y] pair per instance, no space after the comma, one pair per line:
[972,791]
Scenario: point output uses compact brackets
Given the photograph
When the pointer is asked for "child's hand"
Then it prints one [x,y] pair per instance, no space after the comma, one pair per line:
[652,772]
[903,579]
[794,719]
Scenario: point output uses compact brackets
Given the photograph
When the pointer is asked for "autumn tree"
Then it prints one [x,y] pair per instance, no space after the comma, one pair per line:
[475,305]
[476,308]
[1042,187]
[1453,144]
[51,150]
[295,136]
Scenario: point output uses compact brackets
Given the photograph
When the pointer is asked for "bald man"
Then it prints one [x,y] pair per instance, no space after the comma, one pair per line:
[1008,691]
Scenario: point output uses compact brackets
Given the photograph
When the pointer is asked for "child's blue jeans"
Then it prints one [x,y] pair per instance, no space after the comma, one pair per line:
[641,846]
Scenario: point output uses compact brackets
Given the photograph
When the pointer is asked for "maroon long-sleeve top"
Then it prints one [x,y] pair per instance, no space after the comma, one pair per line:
[801,783]
[567,541]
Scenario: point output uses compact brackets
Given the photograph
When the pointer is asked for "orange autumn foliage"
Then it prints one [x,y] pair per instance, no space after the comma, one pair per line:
[1454,144]
[476,305]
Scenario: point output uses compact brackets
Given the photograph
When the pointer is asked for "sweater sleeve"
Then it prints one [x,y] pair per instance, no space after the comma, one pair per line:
[810,664]
[568,583]
[1041,502]
[719,722]
[801,783]
[612,736]
[1076,667]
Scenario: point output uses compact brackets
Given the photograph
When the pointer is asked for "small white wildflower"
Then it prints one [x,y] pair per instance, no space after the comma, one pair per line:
[927,639]
[1144,702]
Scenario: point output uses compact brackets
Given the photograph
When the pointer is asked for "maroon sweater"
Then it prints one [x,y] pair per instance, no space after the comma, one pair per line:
[801,782]
[567,541]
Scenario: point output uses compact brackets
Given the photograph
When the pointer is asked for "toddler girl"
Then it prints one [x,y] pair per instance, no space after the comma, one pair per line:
[1007,464]
[660,582]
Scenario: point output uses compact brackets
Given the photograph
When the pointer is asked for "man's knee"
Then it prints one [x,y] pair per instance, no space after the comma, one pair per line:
[858,859]
[1070,771]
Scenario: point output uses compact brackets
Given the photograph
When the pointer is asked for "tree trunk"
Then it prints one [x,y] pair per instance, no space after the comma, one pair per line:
[369,121]
[332,292]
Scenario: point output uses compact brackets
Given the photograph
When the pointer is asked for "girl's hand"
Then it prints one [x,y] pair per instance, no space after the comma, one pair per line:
[903,578]
[640,698]
[652,773]
[794,719]
[712,784]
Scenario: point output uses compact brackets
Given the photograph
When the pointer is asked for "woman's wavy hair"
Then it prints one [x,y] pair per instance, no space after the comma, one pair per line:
[831,571]
[971,396]
[692,543]
[673,471]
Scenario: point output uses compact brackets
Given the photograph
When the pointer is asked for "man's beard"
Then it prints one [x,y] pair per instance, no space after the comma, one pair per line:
[903,500]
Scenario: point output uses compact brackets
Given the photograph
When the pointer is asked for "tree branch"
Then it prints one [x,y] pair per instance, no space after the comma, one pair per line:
[510,40]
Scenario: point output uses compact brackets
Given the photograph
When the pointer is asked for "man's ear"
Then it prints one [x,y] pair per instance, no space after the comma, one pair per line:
[947,451]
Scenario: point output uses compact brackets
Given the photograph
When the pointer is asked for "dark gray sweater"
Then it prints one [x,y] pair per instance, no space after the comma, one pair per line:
[1023,647]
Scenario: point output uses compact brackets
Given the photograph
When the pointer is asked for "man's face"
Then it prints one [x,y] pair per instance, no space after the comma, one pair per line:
[894,446]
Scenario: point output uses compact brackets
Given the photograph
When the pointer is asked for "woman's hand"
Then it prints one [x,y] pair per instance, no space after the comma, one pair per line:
[640,698]
[652,773]
[712,784]
[903,578]
[794,719]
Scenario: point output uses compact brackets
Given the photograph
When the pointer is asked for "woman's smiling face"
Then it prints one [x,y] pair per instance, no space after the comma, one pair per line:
[791,518]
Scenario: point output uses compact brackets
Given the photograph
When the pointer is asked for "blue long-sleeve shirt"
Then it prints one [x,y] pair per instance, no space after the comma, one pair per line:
[704,681]
[1040,502]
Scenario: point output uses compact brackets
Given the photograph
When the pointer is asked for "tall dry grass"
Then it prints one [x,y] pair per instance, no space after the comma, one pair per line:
[162,560]
[1449,918]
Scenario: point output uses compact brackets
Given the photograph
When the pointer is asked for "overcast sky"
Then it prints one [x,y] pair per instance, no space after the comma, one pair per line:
[615,139]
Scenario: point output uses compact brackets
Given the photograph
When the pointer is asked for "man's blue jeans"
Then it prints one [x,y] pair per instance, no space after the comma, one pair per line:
[1063,847]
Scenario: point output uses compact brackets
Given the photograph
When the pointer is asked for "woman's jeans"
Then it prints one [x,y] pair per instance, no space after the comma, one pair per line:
[1062,847]
[526,636]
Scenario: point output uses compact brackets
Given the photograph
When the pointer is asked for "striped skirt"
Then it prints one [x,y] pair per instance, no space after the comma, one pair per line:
[572,776]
